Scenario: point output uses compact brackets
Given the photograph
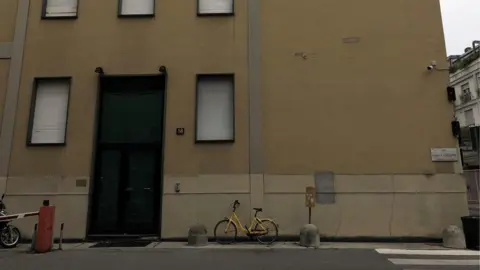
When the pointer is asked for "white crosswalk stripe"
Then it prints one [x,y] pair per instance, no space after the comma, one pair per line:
[435,252]
[433,262]
[441,258]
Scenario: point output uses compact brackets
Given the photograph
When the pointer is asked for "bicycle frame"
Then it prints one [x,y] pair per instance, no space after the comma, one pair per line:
[248,231]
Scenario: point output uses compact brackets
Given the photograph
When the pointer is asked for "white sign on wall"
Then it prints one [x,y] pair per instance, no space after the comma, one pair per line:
[444,154]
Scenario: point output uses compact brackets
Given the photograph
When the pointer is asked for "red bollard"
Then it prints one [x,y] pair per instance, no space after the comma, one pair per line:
[46,219]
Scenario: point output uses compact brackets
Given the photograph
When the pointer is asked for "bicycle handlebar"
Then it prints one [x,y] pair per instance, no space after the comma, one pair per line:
[235,204]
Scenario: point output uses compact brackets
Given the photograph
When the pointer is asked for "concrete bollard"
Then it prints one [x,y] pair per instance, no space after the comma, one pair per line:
[34,237]
[197,235]
[453,237]
[309,236]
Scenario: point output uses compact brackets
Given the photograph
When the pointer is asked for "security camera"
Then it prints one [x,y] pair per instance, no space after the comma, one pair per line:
[432,65]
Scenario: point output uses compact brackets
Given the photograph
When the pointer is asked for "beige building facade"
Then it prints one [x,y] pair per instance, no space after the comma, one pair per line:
[146,117]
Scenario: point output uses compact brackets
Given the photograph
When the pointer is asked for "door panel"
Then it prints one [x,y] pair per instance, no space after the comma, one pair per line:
[144,115]
[132,117]
[139,203]
[113,117]
[107,186]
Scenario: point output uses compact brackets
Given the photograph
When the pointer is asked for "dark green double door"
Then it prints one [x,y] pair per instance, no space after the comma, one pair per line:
[128,160]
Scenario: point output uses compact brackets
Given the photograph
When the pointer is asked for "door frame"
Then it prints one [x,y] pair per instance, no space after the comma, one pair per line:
[96,132]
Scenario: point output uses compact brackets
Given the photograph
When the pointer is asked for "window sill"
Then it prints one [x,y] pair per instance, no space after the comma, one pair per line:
[29,144]
[136,15]
[229,14]
[214,141]
[59,17]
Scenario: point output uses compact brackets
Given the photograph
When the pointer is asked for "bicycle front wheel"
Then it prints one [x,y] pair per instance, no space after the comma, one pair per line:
[225,232]
[270,229]
[9,237]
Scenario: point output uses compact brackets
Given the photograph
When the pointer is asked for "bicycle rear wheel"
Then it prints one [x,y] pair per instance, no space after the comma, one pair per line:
[225,232]
[271,231]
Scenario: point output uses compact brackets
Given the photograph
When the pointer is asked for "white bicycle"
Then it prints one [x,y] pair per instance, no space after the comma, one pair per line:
[9,234]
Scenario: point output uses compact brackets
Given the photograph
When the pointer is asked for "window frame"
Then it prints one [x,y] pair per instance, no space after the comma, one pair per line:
[199,76]
[466,95]
[45,17]
[470,113]
[225,14]
[33,102]
[120,15]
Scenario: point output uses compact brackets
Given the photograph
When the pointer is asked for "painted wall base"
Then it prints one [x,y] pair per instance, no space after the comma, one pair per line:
[365,206]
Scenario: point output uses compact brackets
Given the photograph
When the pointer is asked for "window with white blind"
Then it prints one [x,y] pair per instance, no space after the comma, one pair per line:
[469,118]
[60,8]
[215,108]
[215,7]
[136,7]
[48,118]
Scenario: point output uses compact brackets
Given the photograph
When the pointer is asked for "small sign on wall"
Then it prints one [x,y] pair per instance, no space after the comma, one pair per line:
[444,154]
[310,197]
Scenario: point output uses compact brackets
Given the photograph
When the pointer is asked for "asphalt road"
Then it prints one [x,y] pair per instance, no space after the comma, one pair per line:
[197,259]
[206,259]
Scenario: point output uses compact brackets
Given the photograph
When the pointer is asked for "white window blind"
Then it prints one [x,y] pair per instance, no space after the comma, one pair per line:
[215,6]
[215,109]
[50,114]
[61,8]
[469,118]
[137,7]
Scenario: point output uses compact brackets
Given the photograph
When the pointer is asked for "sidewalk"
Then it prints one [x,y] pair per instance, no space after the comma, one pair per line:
[255,246]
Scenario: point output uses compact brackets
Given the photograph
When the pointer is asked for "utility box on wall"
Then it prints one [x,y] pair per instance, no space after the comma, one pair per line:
[325,187]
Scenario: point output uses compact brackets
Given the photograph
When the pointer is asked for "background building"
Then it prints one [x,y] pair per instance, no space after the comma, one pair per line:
[465,79]
[254,101]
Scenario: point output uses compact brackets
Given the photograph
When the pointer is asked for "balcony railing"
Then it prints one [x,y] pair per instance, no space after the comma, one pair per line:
[466,97]
[465,60]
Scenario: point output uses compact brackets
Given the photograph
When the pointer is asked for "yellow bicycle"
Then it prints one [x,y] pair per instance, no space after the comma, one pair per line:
[265,230]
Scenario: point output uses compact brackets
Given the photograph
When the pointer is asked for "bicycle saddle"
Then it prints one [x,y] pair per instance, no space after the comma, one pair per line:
[258,209]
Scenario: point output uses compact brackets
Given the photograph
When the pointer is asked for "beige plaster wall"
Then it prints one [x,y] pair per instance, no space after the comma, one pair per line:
[350,117]
[188,46]
[365,205]
[371,205]
[4,70]
[70,209]
[203,199]
[345,87]
[26,194]
[8,12]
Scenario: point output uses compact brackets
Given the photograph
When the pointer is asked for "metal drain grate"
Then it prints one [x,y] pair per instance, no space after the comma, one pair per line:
[129,243]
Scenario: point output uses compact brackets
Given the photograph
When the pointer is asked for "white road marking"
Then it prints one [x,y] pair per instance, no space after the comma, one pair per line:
[433,262]
[440,252]
[426,268]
